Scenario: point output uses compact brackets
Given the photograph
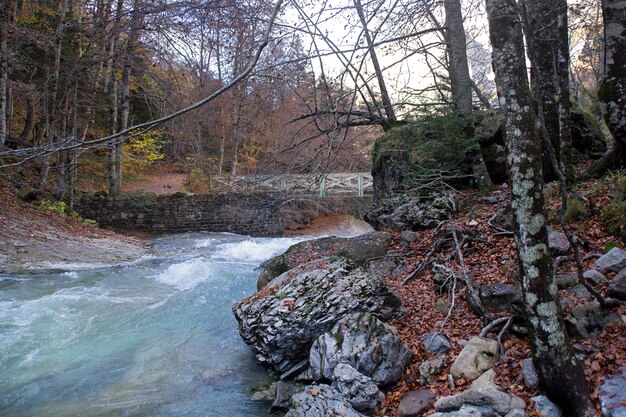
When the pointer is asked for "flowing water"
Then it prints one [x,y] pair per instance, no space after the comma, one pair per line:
[151,338]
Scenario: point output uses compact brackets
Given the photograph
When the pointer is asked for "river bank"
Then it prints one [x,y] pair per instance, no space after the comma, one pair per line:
[31,238]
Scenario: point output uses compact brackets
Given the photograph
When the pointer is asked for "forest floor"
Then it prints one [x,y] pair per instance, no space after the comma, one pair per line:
[492,261]
[32,238]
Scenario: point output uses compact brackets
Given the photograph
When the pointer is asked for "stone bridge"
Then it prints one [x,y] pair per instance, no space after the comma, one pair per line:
[353,183]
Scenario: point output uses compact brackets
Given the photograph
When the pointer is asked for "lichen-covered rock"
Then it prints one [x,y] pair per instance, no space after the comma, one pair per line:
[365,343]
[403,212]
[358,249]
[281,322]
[478,355]
[614,260]
[467,411]
[359,390]
[321,401]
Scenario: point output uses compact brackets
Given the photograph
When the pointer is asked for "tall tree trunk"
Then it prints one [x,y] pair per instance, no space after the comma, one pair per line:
[612,92]
[52,97]
[560,372]
[6,10]
[461,82]
[459,70]
[543,48]
[565,106]
[389,111]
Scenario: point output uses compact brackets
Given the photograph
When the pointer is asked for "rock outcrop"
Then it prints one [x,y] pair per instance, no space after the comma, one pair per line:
[403,212]
[365,343]
[281,322]
[358,249]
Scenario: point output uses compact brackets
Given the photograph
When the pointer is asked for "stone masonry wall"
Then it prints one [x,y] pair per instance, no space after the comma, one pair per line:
[255,215]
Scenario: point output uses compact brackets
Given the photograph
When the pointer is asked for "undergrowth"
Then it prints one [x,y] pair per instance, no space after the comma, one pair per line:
[61,208]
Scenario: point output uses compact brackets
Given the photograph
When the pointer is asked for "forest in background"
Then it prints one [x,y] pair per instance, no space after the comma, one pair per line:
[74,72]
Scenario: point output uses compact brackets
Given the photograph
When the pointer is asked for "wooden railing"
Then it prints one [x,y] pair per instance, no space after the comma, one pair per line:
[357,183]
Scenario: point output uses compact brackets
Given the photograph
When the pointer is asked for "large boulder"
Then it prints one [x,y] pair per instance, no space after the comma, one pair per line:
[365,343]
[586,137]
[404,212]
[281,322]
[359,390]
[321,401]
[358,249]
[476,357]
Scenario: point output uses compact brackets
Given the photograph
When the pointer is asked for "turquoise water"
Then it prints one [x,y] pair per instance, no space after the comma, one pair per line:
[151,338]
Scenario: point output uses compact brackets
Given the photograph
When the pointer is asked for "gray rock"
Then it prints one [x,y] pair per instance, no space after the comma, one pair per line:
[516,413]
[468,411]
[485,382]
[558,243]
[430,368]
[498,401]
[617,286]
[357,249]
[612,395]
[403,212]
[614,260]
[281,322]
[529,374]
[321,401]
[367,344]
[359,390]
[546,407]
[479,355]
[284,391]
[580,292]
[436,342]
[564,281]
[588,320]
[266,392]
[408,236]
[595,276]
[416,403]
[500,297]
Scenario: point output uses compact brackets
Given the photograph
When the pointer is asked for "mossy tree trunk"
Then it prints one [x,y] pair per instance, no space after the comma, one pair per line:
[560,372]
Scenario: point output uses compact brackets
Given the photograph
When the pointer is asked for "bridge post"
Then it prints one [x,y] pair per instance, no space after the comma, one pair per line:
[322,187]
[360,185]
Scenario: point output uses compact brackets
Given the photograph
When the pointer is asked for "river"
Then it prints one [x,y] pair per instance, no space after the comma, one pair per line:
[155,337]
